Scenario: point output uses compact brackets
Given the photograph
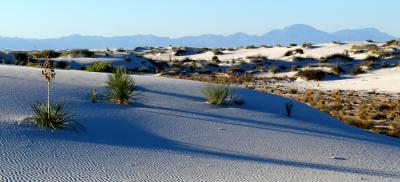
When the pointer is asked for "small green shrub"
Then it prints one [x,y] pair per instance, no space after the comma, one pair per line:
[100,67]
[58,117]
[121,88]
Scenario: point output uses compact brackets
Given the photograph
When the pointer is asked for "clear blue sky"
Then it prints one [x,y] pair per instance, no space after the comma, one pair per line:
[174,18]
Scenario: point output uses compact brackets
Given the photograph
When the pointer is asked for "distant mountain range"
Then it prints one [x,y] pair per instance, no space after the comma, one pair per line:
[298,33]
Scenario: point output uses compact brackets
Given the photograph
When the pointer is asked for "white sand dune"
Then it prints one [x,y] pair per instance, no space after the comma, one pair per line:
[382,80]
[173,135]
[319,51]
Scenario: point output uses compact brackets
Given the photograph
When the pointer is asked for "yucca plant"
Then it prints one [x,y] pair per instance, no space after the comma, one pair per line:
[121,88]
[57,118]
[47,115]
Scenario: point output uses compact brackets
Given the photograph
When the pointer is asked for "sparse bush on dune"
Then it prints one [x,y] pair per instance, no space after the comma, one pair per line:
[120,87]
[181,51]
[363,48]
[395,129]
[251,47]
[274,69]
[312,74]
[215,59]
[339,56]
[392,43]
[219,94]
[217,52]
[360,123]
[78,52]
[357,70]
[61,64]
[293,52]
[45,54]
[100,67]
[308,45]
[293,45]
[21,57]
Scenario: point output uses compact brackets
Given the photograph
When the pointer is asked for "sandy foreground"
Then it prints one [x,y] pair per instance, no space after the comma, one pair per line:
[171,134]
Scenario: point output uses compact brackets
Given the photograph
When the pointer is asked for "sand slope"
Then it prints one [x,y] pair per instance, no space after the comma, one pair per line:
[173,135]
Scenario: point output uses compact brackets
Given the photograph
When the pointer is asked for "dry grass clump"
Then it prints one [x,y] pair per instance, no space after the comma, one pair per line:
[395,129]
[219,94]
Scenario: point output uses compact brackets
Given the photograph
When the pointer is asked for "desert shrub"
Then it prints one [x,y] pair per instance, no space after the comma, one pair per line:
[308,45]
[371,58]
[57,118]
[364,48]
[311,74]
[45,54]
[120,87]
[368,64]
[293,45]
[20,56]
[345,57]
[357,70]
[274,69]
[218,94]
[215,59]
[366,124]
[289,108]
[100,67]
[251,47]
[180,51]
[293,91]
[78,52]
[293,52]
[337,69]
[294,68]
[338,42]
[395,131]
[384,64]
[120,50]
[370,41]
[217,52]
[61,64]
[392,43]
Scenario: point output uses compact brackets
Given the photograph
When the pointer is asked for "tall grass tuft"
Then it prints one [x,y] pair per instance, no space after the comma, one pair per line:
[216,94]
[219,94]
[121,87]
